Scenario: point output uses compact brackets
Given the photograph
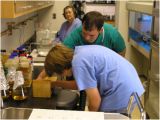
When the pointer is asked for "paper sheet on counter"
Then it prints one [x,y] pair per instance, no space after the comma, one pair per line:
[39,114]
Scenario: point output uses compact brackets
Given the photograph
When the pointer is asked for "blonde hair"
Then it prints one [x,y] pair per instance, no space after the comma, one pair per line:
[58,59]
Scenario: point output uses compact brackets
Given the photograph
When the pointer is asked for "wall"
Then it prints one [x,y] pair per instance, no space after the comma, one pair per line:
[45,16]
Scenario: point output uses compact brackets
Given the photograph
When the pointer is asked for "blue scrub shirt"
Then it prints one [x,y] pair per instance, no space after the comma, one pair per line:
[99,67]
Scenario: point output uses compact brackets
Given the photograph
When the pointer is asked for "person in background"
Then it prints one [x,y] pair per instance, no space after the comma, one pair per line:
[98,71]
[70,24]
[94,32]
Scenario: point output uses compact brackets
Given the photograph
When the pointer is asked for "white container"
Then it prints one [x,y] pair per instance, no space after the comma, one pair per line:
[45,36]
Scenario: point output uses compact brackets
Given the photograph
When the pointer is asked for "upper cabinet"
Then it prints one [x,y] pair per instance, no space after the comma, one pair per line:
[13,9]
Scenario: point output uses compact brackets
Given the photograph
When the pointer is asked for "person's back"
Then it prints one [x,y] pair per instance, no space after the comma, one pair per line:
[114,76]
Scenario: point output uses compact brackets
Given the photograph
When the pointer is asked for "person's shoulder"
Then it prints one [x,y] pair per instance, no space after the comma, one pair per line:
[73,38]
[64,23]
[78,21]
[108,26]
[109,29]
[78,29]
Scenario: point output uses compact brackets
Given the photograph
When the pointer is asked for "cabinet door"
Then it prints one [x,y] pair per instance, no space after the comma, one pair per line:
[7,9]
[13,9]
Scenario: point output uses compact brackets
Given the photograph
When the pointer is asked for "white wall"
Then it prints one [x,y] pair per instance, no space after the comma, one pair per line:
[45,16]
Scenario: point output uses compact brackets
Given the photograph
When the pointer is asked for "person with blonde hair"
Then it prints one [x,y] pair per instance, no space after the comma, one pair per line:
[98,71]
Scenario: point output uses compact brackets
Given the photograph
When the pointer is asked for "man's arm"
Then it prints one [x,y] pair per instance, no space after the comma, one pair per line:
[118,42]
[94,99]
[65,84]
[59,83]
[42,75]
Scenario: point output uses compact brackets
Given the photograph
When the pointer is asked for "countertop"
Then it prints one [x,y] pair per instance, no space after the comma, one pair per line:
[24,113]
[22,109]
[32,102]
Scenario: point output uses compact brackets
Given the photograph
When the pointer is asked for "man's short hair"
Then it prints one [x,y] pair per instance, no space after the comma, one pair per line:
[93,19]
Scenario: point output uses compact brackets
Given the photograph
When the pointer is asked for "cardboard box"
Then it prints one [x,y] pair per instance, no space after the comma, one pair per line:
[41,88]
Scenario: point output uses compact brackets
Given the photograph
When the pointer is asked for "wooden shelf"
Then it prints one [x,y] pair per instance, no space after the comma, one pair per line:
[12,9]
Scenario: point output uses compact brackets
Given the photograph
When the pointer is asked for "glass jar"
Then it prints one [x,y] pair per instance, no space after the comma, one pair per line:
[20,93]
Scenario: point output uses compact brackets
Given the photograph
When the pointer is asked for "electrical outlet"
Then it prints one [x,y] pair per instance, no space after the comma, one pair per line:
[54,16]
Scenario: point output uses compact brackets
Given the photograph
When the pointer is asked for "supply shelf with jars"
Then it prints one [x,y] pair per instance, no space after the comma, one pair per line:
[16,74]
[13,9]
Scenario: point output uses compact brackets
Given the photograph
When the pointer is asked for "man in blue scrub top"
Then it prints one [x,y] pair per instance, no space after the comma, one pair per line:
[108,78]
